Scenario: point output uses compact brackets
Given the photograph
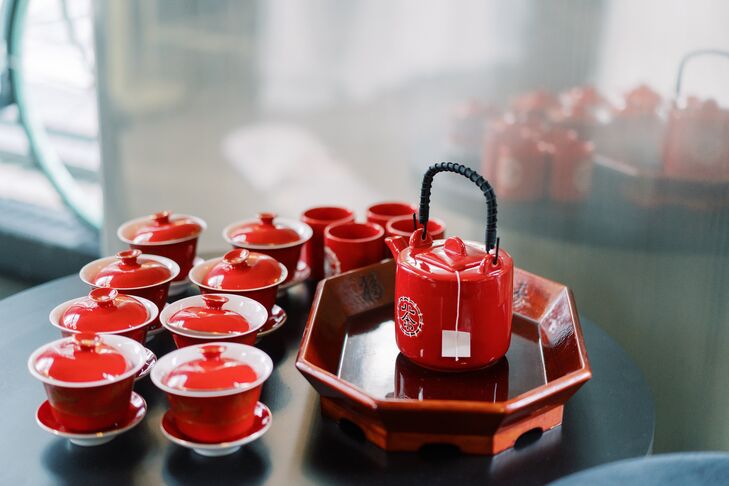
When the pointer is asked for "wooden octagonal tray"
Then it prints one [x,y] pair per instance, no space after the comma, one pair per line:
[348,354]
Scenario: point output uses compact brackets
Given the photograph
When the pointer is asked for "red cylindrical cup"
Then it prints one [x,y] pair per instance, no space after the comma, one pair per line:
[213,416]
[319,218]
[403,226]
[381,213]
[351,245]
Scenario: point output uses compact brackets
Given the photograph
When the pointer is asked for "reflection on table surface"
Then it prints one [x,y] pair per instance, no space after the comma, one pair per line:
[371,361]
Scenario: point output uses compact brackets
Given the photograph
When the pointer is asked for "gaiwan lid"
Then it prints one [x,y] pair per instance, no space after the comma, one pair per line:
[210,318]
[104,310]
[241,269]
[266,230]
[87,358]
[211,372]
[161,227]
[132,269]
[212,369]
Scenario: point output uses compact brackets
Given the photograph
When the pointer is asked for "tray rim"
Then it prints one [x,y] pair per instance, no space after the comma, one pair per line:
[515,404]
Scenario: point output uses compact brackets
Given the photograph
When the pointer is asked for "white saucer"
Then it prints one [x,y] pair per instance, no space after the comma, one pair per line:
[263,419]
[275,321]
[45,419]
[148,364]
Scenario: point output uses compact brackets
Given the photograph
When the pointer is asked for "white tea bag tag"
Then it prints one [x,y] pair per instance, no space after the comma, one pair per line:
[455,344]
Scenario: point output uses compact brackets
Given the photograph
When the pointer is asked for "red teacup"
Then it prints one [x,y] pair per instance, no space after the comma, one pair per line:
[404,226]
[213,388]
[202,319]
[164,234]
[383,212]
[318,219]
[280,238]
[88,379]
[105,311]
[133,273]
[351,245]
[241,272]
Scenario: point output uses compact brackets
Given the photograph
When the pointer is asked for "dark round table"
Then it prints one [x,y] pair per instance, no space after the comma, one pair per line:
[610,418]
[679,469]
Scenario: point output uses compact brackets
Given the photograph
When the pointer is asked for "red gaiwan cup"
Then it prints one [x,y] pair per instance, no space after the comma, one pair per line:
[105,311]
[352,245]
[213,388]
[88,379]
[173,236]
[318,219]
[404,226]
[383,212]
[202,319]
[280,238]
[241,272]
[133,273]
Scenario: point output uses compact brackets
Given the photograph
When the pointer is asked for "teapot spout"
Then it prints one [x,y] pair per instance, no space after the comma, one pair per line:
[396,244]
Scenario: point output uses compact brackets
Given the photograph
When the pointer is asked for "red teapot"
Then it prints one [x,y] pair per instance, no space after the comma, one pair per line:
[453,298]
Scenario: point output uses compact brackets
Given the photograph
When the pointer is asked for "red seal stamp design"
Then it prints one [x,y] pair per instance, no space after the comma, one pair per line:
[409,317]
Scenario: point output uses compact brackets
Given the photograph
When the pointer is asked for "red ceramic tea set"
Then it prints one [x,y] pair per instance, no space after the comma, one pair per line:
[453,312]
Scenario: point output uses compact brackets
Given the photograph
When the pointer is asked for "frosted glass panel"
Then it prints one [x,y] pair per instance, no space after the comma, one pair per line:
[620,190]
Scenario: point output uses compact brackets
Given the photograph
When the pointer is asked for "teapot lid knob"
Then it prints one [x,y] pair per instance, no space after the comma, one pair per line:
[454,246]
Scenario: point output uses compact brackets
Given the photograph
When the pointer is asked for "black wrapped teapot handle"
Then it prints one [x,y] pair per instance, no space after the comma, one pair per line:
[474,177]
[690,55]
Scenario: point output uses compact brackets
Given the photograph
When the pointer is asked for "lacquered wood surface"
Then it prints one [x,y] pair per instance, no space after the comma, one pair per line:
[349,356]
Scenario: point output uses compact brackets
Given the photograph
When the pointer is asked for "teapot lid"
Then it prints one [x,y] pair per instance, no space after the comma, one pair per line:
[453,255]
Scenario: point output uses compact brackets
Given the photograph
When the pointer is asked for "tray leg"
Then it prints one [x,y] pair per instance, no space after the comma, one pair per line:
[506,437]
[503,439]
